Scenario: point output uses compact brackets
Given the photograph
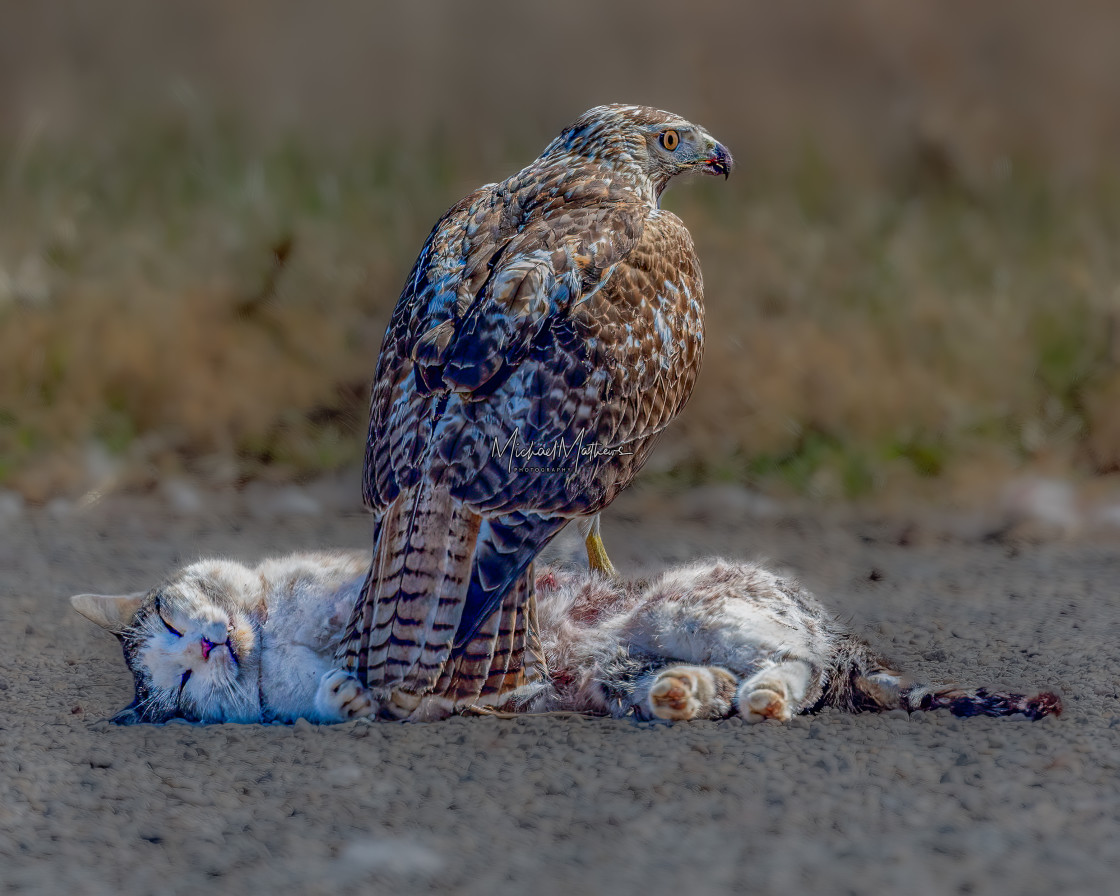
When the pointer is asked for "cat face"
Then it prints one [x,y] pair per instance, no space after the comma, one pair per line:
[192,644]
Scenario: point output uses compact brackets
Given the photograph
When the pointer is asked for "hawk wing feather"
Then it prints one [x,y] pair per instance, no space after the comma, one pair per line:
[532,281]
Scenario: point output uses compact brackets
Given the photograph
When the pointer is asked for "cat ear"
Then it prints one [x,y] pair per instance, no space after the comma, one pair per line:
[111,612]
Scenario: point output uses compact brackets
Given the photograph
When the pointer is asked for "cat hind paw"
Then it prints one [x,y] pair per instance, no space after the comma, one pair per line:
[761,703]
[341,697]
[680,693]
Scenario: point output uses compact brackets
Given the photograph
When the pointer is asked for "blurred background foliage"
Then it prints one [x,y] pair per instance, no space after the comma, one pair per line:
[913,277]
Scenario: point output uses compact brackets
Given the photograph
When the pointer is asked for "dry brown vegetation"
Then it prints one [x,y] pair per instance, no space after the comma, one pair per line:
[913,279]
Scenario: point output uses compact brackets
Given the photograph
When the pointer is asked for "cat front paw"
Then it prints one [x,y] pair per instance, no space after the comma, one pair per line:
[680,693]
[342,697]
[762,702]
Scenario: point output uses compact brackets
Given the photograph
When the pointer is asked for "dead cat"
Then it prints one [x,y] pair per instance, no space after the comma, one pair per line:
[222,642]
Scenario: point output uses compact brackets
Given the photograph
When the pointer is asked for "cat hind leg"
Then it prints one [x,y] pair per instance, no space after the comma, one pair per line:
[776,692]
[680,693]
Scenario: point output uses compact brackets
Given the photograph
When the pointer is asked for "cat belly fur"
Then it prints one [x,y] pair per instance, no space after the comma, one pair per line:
[737,616]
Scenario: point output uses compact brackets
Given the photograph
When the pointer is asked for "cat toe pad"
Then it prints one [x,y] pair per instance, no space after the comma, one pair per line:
[342,697]
[690,692]
[762,704]
[674,697]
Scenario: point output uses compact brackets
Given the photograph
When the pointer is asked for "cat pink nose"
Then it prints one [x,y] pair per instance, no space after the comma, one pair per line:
[207,646]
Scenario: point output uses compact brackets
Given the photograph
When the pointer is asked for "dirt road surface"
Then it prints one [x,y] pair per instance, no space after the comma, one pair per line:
[827,804]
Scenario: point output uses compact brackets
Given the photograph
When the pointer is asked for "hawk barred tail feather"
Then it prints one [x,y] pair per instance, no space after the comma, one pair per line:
[425,547]
[502,663]
[550,329]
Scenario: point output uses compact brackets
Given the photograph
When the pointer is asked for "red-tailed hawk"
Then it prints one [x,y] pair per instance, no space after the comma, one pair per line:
[551,328]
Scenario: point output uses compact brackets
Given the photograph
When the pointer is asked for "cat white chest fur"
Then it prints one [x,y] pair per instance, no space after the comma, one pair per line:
[309,605]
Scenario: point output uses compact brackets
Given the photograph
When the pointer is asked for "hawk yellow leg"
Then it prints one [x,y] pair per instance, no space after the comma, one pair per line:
[597,557]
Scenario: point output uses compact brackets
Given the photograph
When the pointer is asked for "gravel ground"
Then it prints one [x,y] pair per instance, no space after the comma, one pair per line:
[827,804]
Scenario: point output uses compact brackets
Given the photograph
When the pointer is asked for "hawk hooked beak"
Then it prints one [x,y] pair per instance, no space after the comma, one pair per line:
[718,161]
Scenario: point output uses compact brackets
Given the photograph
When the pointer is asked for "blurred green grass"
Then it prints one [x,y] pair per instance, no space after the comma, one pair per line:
[190,300]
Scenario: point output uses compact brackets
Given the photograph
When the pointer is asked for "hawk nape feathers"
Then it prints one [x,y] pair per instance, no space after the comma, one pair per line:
[552,326]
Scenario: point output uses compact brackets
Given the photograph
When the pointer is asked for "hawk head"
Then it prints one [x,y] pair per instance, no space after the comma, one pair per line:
[643,143]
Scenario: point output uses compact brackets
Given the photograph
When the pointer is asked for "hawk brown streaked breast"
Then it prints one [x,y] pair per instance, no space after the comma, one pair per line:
[551,328]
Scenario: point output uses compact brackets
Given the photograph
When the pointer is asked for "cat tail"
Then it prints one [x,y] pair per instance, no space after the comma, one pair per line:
[865,681]
[967,702]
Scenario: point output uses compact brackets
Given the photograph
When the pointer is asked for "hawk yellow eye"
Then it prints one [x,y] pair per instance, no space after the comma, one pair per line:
[670,139]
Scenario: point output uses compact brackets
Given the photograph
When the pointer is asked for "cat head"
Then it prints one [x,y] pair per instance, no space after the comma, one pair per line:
[192,643]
